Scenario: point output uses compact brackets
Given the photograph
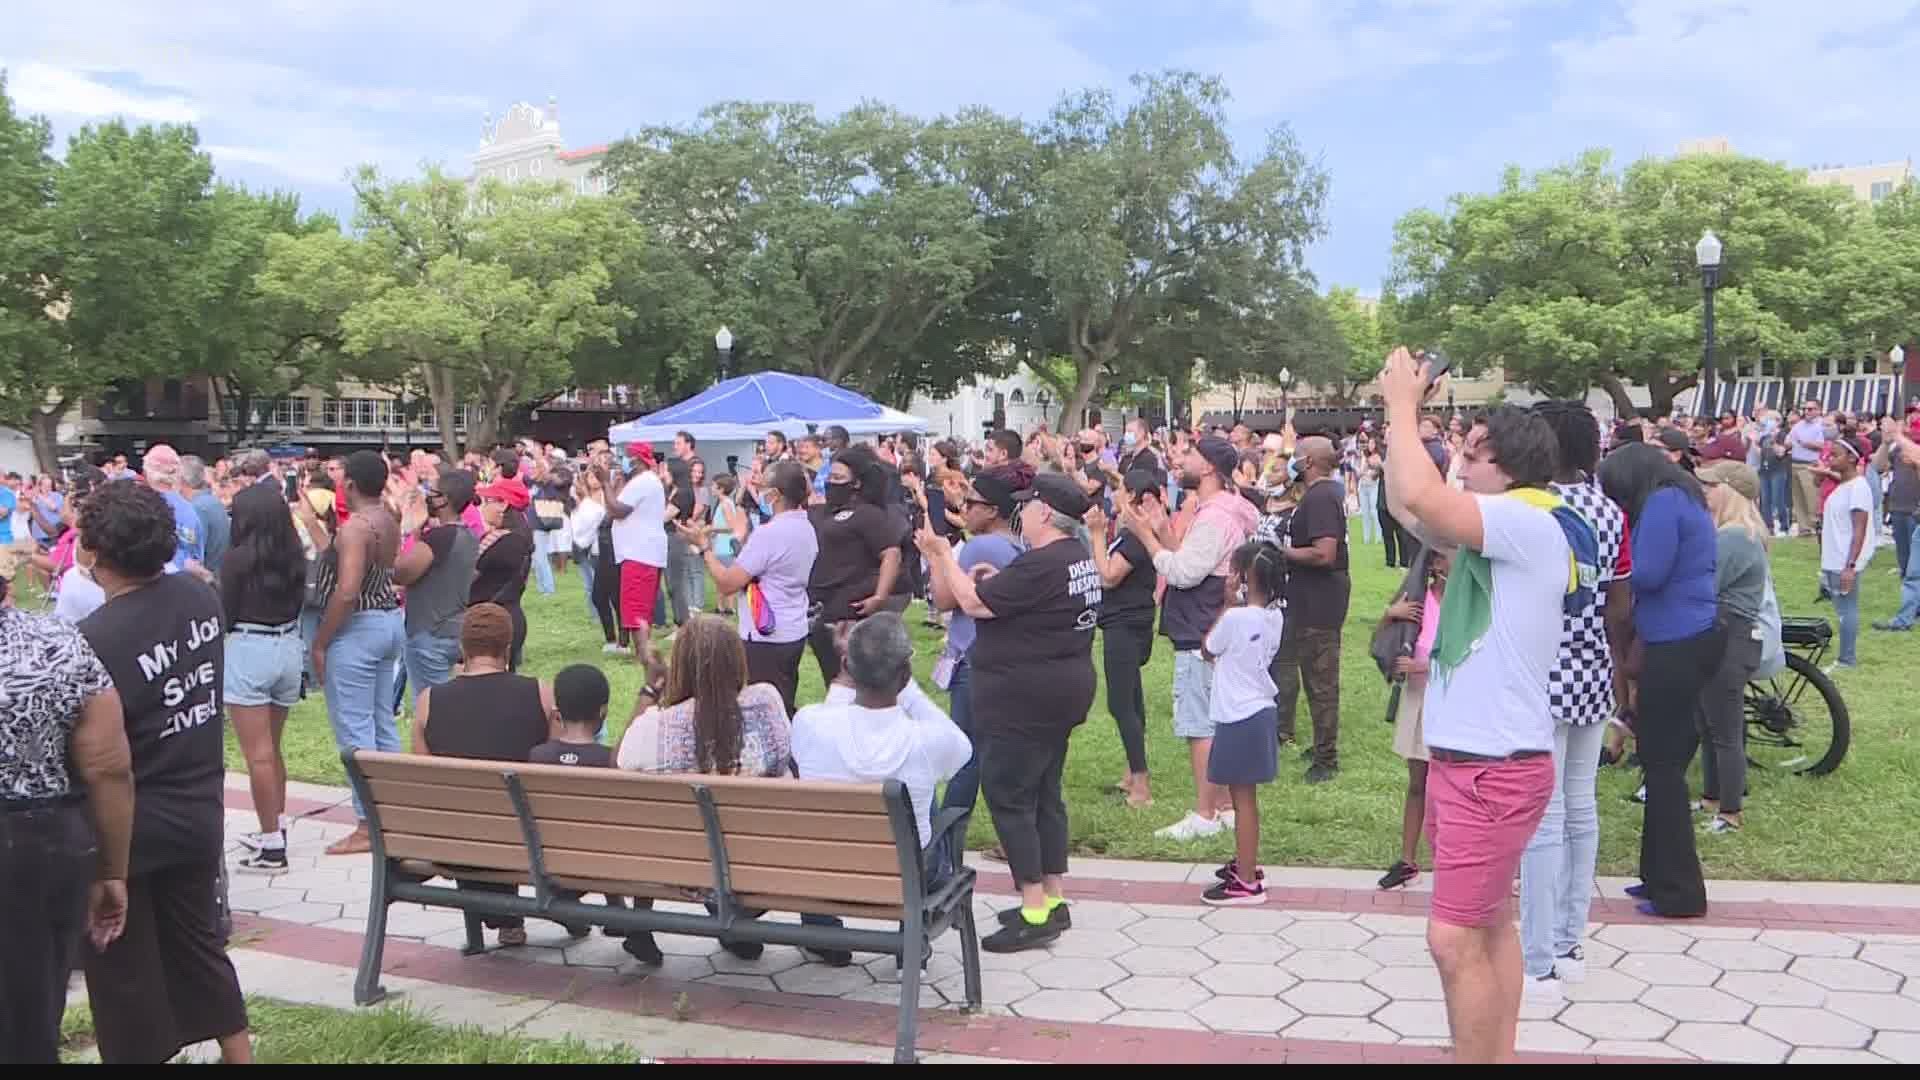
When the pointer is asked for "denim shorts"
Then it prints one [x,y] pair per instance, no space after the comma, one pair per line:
[264,668]
[1192,695]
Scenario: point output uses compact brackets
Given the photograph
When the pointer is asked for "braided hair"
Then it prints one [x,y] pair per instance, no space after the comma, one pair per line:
[1261,569]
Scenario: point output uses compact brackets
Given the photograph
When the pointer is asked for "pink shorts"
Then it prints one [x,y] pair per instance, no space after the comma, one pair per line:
[1480,818]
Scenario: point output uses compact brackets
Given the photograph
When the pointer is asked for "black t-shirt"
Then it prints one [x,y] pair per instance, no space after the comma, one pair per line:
[682,498]
[1132,599]
[500,573]
[558,752]
[1317,596]
[246,601]
[1033,661]
[164,646]
[1143,458]
[852,541]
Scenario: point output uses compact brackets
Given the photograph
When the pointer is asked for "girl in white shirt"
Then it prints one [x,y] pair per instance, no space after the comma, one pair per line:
[1245,754]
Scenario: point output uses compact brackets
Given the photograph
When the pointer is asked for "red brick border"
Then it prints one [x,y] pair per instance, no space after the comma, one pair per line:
[941,1032]
[1764,915]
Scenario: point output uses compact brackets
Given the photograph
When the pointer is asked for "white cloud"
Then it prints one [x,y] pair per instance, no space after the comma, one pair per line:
[58,91]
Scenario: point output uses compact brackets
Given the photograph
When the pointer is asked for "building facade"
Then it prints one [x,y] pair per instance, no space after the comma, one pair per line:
[525,144]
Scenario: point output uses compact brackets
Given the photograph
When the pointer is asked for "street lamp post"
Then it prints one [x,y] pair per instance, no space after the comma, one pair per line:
[723,348]
[1286,385]
[1707,254]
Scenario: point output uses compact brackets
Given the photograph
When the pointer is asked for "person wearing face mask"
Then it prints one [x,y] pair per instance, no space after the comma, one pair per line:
[504,559]
[859,544]
[1317,588]
[1136,449]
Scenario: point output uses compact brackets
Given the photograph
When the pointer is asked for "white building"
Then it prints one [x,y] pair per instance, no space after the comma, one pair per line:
[525,144]
[1017,402]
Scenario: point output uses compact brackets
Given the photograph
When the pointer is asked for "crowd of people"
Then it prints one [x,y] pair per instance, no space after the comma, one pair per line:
[1569,586]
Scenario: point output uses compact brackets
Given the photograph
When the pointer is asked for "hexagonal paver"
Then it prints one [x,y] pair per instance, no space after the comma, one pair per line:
[1249,1015]
[1605,985]
[1616,1020]
[1666,969]
[1339,1029]
[676,969]
[1326,935]
[1810,1027]
[1407,983]
[1820,1055]
[1087,1006]
[1329,965]
[1398,951]
[1097,944]
[1881,1012]
[771,962]
[1155,1018]
[1247,921]
[1069,973]
[1694,1003]
[1607,1048]
[1845,974]
[1416,1019]
[889,994]
[1547,1036]
[1334,999]
[1395,925]
[1728,1042]
[606,952]
[1810,943]
[1158,992]
[744,982]
[996,987]
[1246,980]
[1702,932]
[1248,949]
[885,969]
[1165,960]
[819,979]
[306,914]
[1772,988]
[1897,1046]
[1740,955]
[1103,915]
[1180,933]
[1904,959]
[1013,961]
[1635,938]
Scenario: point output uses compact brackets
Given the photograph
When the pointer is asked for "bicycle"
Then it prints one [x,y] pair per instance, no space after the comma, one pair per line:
[1788,729]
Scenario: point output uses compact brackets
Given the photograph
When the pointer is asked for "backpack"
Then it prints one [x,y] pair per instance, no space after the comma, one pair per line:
[1773,653]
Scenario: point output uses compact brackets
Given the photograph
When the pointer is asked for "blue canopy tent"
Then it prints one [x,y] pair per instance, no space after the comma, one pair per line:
[745,409]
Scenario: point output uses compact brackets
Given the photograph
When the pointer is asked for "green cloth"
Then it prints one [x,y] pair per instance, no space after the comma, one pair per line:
[1466,612]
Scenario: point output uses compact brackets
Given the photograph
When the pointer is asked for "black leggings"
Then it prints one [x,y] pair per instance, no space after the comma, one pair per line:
[606,590]
[1671,679]
[1020,777]
[1125,647]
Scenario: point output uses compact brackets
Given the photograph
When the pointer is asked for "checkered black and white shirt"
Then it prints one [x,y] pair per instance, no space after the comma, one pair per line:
[1580,686]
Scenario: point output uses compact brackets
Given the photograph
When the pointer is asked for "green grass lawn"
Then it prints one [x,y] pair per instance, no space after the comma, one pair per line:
[1840,827]
[287,1034]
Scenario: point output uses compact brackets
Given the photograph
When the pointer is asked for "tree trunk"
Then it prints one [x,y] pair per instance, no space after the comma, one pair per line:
[440,394]
[1617,390]
[43,428]
[1087,363]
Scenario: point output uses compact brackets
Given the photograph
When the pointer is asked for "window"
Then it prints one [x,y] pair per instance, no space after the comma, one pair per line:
[1880,190]
[288,413]
[535,166]
[330,412]
[1017,397]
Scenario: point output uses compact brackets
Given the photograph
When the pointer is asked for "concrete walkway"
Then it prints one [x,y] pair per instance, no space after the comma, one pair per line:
[1329,970]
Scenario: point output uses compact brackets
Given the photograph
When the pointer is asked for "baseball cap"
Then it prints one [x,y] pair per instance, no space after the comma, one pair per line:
[1737,475]
[1220,454]
[1140,480]
[995,492]
[1059,492]
[1675,439]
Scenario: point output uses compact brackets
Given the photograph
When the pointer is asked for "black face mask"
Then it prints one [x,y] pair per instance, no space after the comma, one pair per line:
[839,494]
[1254,496]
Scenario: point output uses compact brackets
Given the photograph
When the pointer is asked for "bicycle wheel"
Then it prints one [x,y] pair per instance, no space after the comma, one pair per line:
[1796,721]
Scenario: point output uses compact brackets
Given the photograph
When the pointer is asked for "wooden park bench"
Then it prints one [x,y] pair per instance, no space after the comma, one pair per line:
[749,844]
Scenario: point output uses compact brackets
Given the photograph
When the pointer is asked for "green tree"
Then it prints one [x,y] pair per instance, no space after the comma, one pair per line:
[28,266]
[1360,348]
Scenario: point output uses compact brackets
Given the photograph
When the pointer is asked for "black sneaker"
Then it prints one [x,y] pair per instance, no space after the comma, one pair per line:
[832,957]
[1233,868]
[745,950]
[265,861]
[1061,917]
[1019,938]
[1320,774]
[1400,873]
[641,947]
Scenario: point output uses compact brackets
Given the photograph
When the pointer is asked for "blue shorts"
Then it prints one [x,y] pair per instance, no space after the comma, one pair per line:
[1246,751]
[1192,695]
[264,665]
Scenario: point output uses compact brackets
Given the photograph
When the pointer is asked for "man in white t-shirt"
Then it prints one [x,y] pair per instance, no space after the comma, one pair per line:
[1847,540]
[639,543]
[1488,726]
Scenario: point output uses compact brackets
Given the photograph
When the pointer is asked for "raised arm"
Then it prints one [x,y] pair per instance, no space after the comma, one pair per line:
[1417,494]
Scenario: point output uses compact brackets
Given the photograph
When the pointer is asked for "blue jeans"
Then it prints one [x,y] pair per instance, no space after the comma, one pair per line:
[1903,523]
[359,682]
[1776,498]
[1369,513]
[1909,611]
[586,578]
[1556,872]
[964,789]
[1848,608]
[543,542]
[430,660]
[309,626]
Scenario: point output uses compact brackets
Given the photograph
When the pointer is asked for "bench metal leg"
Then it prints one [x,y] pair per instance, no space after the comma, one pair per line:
[476,935]
[910,959]
[970,951]
[366,983]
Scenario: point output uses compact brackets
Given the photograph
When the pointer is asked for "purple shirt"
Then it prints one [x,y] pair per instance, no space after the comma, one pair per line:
[780,556]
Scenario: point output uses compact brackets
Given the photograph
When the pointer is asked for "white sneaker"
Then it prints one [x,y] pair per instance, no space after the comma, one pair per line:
[259,841]
[1572,967]
[1191,827]
[1544,990]
[1226,820]
[612,649]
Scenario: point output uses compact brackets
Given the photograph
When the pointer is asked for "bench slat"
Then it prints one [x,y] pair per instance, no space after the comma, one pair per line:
[872,828]
[396,794]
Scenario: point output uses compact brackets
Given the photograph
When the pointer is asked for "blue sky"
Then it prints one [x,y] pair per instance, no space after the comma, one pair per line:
[1404,101]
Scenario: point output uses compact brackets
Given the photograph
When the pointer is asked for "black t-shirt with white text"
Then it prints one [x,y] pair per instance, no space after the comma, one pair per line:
[164,644]
[852,539]
[1033,661]
[585,755]
[1317,595]
[1132,598]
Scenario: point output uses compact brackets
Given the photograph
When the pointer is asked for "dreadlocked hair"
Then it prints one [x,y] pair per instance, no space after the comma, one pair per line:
[1576,430]
[709,666]
[1259,567]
